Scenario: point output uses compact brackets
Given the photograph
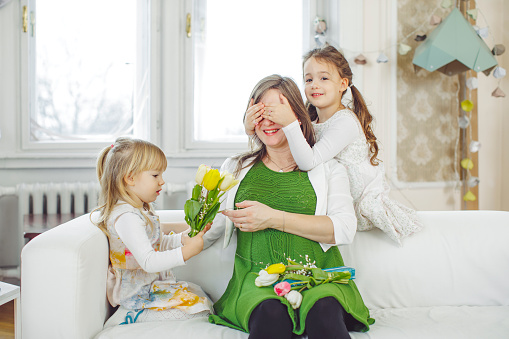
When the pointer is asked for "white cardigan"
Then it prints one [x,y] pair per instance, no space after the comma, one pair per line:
[333,198]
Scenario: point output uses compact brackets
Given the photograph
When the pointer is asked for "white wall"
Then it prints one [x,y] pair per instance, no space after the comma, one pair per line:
[378,32]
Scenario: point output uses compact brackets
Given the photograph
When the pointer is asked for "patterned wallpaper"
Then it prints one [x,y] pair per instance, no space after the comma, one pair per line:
[427,106]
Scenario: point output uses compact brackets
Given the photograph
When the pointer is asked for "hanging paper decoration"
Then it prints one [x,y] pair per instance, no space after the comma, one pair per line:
[360,60]
[469,196]
[463,122]
[472,83]
[404,49]
[420,37]
[467,164]
[320,39]
[382,58]
[482,32]
[454,47]
[435,20]
[320,25]
[498,93]
[474,146]
[499,49]
[467,105]
[446,3]
[472,13]
[473,181]
[499,72]
[320,29]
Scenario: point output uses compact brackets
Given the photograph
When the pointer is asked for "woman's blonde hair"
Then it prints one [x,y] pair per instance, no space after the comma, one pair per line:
[332,56]
[126,157]
[290,90]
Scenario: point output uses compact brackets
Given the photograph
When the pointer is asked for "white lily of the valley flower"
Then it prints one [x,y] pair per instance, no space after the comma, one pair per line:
[228,182]
[295,298]
[202,170]
[266,279]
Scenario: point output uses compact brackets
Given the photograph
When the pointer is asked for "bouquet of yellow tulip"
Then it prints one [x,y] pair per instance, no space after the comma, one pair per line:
[204,204]
[289,280]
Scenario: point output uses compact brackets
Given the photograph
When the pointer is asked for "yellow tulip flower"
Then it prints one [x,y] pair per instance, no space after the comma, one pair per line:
[276,268]
[211,179]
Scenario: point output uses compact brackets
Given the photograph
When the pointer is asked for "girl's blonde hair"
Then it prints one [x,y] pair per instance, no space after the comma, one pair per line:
[331,55]
[290,90]
[126,157]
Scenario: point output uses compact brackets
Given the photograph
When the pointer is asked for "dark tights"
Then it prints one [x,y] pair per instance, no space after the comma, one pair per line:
[326,319]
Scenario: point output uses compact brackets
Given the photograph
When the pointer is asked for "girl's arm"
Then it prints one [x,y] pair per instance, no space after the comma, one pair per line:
[336,228]
[340,133]
[132,231]
[177,227]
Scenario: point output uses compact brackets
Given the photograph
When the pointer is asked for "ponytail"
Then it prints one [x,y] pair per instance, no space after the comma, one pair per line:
[365,118]
[101,159]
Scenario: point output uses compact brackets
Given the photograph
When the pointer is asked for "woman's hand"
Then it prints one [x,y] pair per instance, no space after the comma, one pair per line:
[281,114]
[253,117]
[252,216]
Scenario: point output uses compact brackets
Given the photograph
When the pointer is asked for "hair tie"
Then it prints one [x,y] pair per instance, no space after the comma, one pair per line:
[350,85]
[112,145]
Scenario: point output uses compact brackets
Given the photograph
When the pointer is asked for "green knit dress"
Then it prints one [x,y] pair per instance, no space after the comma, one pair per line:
[291,192]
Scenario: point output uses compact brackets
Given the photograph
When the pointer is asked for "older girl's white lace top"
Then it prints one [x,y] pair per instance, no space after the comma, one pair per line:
[341,137]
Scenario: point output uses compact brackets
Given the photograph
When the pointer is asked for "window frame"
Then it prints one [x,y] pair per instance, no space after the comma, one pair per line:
[167,124]
[188,144]
[178,141]
[82,148]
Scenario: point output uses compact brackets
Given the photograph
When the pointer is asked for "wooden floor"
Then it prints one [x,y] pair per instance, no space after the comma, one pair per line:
[7,320]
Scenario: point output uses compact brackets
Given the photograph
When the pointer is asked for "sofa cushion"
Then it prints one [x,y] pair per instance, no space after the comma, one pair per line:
[441,322]
[459,258]
[191,328]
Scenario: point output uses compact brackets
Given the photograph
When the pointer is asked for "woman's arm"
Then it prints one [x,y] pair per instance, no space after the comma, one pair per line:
[338,135]
[335,228]
[254,216]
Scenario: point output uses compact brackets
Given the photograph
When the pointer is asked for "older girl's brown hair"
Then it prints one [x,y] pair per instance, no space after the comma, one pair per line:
[290,90]
[331,55]
[126,157]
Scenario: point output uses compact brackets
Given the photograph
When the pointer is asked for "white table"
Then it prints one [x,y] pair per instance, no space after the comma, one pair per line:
[10,292]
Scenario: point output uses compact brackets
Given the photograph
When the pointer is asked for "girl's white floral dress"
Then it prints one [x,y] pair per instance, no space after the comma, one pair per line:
[131,286]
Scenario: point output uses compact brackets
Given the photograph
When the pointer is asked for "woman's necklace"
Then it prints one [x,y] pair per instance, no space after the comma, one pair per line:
[281,169]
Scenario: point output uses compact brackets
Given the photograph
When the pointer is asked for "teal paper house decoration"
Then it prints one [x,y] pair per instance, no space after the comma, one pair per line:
[454,47]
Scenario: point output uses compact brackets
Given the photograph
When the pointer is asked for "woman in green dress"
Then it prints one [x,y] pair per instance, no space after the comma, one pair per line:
[282,213]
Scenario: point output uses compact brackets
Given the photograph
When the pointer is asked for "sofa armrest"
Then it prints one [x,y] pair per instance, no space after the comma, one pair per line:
[63,279]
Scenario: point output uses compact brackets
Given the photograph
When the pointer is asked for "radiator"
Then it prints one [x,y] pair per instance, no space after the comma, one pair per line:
[74,198]
[57,198]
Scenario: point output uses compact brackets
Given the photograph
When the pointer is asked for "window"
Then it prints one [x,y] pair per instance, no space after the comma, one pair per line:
[87,72]
[233,45]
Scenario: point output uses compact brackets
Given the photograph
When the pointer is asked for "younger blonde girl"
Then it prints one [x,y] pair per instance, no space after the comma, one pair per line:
[140,279]
[343,133]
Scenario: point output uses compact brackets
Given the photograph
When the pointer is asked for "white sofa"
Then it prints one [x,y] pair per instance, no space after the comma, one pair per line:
[451,280]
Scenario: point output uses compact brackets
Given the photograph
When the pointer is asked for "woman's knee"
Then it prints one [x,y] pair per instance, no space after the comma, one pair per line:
[271,308]
[270,319]
[327,305]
